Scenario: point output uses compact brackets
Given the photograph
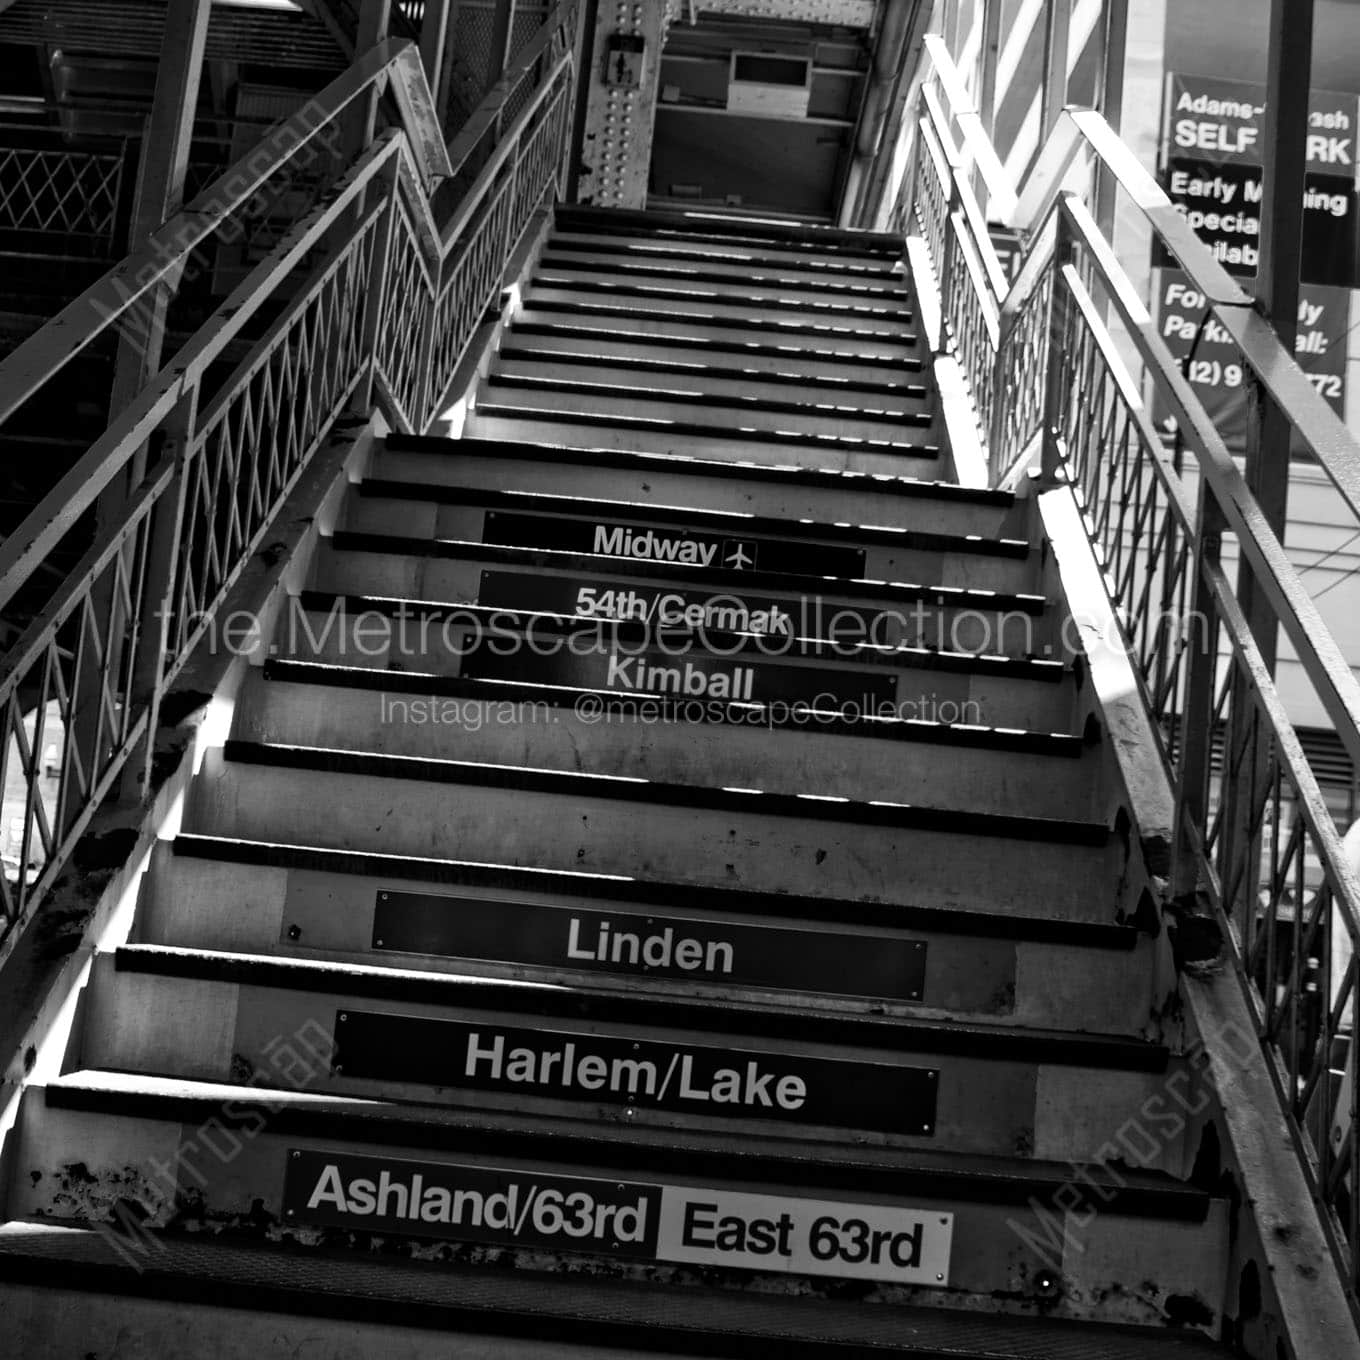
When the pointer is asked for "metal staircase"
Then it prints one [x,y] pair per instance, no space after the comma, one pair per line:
[675,863]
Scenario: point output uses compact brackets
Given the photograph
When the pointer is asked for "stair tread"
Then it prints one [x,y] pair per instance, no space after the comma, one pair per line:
[731,522]
[563,255]
[878,483]
[1065,744]
[722,306]
[589,1311]
[505,405]
[813,807]
[684,1152]
[867,654]
[896,333]
[707,344]
[656,222]
[516,346]
[660,893]
[582,1004]
[718,404]
[603,564]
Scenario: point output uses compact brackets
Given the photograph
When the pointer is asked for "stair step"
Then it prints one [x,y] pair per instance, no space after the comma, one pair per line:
[853,342]
[733,407]
[707,485]
[519,421]
[559,820]
[280,1304]
[562,256]
[636,1060]
[673,600]
[619,527]
[522,357]
[405,634]
[750,303]
[355,708]
[919,690]
[293,901]
[712,250]
[660,225]
[732,417]
[82,1133]
[679,252]
[718,355]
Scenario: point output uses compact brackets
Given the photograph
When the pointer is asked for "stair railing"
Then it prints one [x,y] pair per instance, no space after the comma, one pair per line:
[368,299]
[1064,362]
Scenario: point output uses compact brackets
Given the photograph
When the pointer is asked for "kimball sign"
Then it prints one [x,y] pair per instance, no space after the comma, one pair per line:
[541,1209]
[1211,169]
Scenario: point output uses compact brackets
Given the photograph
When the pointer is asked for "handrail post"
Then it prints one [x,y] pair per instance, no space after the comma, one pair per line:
[1194,736]
[1058,326]
[157,607]
[376,292]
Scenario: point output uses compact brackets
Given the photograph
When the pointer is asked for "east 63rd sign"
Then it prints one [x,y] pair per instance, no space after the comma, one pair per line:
[542,1209]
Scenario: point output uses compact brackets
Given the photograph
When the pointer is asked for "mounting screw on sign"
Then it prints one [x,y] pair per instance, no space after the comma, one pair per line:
[623,60]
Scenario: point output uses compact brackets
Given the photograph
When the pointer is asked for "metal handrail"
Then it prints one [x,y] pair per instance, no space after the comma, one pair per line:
[1252,829]
[371,298]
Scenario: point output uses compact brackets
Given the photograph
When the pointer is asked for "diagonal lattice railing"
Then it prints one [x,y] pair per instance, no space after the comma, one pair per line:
[1051,359]
[368,298]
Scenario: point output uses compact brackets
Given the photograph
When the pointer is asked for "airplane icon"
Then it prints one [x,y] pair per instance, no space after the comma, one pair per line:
[736,556]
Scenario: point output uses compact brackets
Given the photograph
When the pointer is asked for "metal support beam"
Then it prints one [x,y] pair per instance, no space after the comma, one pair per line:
[501,48]
[1057,26]
[991,52]
[374,19]
[502,40]
[1288,82]
[434,30]
[160,194]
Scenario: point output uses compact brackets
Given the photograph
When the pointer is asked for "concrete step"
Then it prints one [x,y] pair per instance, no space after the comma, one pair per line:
[573,928]
[735,837]
[521,422]
[705,252]
[674,598]
[820,367]
[257,1301]
[850,341]
[726,415]
[652,224]
[925,763]
[986,1236]
[636,530]
[748,303]
[774,390]
[479,1044]
[562,257]
[485,653]
[897,504]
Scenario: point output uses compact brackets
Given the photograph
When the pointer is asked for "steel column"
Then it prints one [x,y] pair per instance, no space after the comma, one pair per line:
[1268,444]
[160,194]
[1057,25]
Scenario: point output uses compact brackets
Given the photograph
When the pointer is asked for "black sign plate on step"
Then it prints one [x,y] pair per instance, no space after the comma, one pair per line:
[692,675]
[666,544]
[779,622]
[654,946]
[722,1082]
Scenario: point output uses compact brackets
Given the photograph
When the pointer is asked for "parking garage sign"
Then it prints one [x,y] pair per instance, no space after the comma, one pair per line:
[1211,169]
